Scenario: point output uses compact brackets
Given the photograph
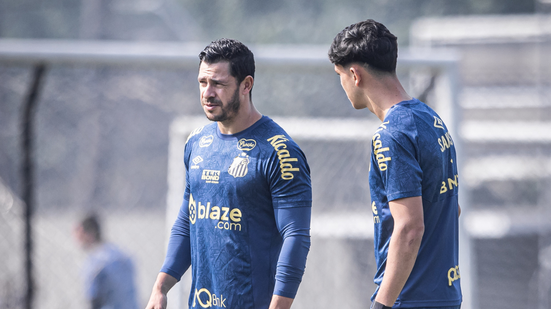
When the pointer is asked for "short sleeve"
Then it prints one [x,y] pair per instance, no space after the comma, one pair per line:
[395,155]
[289,174]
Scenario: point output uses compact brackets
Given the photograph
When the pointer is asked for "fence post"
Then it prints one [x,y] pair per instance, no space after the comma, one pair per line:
[27,173]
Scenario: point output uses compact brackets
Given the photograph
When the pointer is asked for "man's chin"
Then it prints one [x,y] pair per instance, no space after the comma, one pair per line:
[213,117]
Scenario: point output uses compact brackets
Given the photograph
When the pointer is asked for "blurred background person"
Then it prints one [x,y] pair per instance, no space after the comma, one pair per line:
[109,276]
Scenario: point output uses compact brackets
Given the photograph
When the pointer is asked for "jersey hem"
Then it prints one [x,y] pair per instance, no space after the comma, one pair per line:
[397,196]
[172,273]
[292,204]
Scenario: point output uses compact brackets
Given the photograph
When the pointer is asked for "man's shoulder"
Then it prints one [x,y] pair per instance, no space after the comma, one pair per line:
[399,120]
[275,135]
[405,116]
[201,133]
[269,131]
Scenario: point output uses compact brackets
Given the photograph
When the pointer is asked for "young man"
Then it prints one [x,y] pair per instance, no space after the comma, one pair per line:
[108,272]
[244,225]
[413,176]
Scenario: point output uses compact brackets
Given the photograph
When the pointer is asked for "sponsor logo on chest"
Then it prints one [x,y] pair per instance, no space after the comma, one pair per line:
[210,176]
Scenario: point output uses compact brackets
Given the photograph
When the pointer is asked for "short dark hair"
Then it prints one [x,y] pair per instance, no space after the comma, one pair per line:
[239,56]
[91,225]
[367,42]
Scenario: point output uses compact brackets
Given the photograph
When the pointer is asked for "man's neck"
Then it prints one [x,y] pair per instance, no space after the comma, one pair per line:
[243,120]
[386,94]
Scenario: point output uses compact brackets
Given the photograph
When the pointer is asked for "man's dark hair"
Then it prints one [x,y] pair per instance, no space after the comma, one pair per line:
[239,56]
[366,42]
[90,224]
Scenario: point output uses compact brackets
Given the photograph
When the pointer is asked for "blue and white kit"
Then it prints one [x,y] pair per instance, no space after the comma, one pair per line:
[412,155]
[244,225]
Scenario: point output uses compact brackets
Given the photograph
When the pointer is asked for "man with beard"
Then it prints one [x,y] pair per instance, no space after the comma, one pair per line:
[244,225]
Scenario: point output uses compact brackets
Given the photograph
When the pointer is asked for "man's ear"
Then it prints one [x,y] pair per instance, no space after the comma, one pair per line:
[356,74]
[247,84]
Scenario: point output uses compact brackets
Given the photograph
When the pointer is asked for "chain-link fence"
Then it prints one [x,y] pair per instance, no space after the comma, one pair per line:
[102,141]
[105,141]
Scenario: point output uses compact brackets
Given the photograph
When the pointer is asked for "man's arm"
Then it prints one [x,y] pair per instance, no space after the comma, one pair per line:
[280,302]
[404,246]
[294,226]
[163,284]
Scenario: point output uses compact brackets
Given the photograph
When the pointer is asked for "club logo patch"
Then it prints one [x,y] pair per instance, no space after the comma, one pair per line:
[246,144]
[205,141]
[239,166]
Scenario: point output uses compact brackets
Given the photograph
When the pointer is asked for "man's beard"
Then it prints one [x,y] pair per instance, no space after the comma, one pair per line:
[229,111]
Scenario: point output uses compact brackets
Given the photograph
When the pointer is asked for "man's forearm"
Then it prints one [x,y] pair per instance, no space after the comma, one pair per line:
[403,248]
[163,284]
[280,302]
[294,223]
[402,254]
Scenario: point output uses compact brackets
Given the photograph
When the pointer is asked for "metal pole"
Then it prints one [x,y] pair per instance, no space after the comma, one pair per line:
[27,173]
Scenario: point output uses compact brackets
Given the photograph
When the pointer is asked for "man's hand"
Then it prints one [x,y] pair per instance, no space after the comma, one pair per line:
[280,302]
[163,284]
[157,301]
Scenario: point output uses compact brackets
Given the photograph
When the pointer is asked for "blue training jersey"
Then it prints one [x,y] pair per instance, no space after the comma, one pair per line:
[413,154]
[244,225]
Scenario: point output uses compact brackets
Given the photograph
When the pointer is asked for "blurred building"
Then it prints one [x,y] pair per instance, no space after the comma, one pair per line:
[506,130]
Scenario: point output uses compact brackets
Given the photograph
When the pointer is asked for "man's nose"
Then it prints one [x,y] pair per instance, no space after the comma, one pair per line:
[208,92]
